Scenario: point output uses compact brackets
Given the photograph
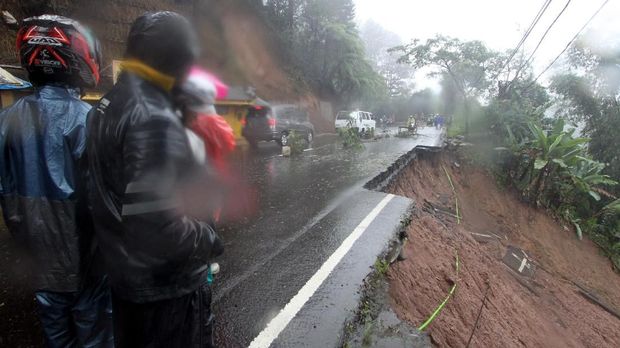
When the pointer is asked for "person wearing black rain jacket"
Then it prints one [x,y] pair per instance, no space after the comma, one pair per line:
[140,159]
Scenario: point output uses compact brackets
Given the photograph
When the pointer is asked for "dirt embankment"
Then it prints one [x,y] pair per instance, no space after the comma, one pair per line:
[546,311]
[236,42]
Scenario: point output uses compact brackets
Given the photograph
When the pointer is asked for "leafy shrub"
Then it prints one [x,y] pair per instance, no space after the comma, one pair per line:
[351,138]
[552,168]
[296,142]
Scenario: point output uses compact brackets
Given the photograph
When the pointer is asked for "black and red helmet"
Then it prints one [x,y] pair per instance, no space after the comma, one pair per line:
[59,49]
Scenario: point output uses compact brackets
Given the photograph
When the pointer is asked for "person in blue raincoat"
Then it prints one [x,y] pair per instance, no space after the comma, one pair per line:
[42,182]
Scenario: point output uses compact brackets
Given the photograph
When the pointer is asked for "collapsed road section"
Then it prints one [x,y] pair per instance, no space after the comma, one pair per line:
[521,279]
[291,274]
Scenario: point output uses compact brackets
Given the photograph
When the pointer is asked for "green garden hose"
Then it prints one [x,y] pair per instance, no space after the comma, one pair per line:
[438,310]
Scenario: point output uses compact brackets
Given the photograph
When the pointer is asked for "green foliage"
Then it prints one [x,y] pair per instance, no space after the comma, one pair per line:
[398,76]
[468,63]
[297,143]
[611,209]
[469,66]
[588,93]
[552,168]
[510,116]
[347,71]
[605,231]
[322,42]
[542,157]
[351,138]
[381,266]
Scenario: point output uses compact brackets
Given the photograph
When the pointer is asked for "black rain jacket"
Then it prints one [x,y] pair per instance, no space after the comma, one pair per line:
[139,159]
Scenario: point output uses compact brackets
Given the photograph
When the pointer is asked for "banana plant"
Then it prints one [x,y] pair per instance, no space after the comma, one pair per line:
[586,174]
[609,210]
[552,154]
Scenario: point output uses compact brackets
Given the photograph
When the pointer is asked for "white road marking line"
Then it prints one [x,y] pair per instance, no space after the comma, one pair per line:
[279,323]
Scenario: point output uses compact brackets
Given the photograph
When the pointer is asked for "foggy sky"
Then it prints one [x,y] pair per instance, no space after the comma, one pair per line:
[499,23]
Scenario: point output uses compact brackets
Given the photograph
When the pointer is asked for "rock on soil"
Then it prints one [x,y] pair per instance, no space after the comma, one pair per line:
[546,311]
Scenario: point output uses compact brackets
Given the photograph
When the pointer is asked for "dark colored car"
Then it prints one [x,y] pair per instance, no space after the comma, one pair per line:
[275,123]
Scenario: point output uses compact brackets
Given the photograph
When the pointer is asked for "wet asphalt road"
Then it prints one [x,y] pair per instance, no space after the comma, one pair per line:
[306,207]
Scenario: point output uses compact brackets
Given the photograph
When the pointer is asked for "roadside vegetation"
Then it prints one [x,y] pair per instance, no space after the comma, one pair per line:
[568,299]
[320,41]
[557,145]
[297,143]
[351,138]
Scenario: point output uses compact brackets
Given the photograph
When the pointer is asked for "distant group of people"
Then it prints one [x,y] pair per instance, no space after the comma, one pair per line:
[413,121]
[98,198]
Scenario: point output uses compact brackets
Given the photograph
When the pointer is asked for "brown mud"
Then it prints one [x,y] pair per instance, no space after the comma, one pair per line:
[547,310]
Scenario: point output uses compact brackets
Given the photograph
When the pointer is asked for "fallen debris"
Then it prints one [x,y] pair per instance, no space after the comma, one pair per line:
[518,261]
[483,238]
[594,299]
[286,151]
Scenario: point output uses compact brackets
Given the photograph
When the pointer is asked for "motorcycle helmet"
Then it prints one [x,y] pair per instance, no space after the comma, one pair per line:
[59,49]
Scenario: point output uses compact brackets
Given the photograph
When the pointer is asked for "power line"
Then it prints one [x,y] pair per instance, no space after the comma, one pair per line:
[529,59]
[525,36]
[569,43]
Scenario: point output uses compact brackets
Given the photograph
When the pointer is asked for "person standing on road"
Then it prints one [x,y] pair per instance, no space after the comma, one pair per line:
[42,181]
[141,161]
[440,121]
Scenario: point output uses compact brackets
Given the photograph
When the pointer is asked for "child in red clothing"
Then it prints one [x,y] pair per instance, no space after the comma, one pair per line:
[197,97]
[211,138]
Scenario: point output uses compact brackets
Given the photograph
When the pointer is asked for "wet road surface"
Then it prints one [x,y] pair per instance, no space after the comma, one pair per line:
[306,207]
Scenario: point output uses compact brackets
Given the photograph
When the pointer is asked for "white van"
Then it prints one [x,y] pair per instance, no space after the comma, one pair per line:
[361,120]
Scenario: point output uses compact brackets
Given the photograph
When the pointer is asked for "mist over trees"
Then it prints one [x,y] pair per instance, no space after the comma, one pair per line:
[322,43]
[588,93]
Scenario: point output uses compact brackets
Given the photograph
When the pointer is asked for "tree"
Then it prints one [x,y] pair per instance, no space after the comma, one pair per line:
[511,114]
[378,41]
[345,11]
[324,46]
[588,94]
[469,64]
[423,102]
[346,70]
[552,168]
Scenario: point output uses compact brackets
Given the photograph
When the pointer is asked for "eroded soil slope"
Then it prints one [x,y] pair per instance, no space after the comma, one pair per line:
[546,311]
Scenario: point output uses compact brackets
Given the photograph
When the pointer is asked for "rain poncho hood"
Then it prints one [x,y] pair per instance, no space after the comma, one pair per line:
[165,41]
[42,138]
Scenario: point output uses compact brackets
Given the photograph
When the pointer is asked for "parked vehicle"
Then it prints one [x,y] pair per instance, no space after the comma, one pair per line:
[360,120]
[275,123]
